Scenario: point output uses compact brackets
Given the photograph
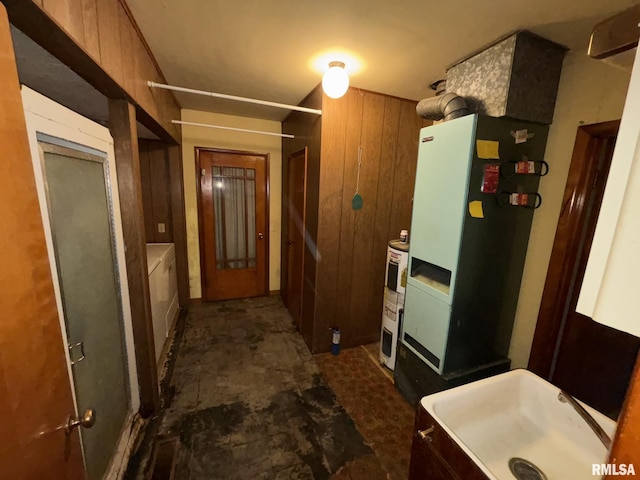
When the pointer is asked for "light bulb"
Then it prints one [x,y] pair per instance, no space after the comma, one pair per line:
[335,81]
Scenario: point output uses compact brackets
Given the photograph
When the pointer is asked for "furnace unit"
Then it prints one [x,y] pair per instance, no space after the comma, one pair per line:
[475,197]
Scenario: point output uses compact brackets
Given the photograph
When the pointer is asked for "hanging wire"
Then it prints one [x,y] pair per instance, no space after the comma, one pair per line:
[359,163]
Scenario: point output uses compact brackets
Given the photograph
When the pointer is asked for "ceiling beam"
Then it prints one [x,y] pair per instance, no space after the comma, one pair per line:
[616,34]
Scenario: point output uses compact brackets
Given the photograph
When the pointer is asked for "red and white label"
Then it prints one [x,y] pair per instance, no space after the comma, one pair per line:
[519,199]
[525,167]
[491,178]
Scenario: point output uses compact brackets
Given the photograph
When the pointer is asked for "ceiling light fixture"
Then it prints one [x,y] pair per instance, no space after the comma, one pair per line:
[335,81]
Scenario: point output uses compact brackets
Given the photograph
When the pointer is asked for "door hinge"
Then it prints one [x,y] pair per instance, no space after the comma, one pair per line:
[203,172]
[76,358]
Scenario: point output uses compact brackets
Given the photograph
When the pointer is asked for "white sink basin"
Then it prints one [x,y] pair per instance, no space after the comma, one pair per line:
[518,414]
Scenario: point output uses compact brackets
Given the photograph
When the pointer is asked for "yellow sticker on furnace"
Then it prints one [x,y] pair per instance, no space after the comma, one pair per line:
[475,209]
[488,149]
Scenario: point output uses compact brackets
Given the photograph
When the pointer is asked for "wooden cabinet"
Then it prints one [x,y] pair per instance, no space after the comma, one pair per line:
[436,456]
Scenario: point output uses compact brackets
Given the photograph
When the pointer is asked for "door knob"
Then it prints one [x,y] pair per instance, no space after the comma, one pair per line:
[87,420]
[289,242]
[261,236]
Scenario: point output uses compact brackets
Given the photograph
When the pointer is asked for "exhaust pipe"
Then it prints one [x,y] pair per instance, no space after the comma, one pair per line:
[448,106]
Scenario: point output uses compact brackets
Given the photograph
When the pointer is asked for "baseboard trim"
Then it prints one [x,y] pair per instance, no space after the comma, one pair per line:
[199,300]
[348,343]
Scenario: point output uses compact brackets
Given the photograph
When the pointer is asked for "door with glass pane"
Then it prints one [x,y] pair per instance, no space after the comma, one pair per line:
[81,226]
[233,224]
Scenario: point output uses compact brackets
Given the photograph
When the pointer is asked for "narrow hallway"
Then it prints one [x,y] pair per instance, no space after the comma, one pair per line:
[247,399]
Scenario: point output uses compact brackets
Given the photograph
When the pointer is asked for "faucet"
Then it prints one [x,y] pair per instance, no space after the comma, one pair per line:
[565,397]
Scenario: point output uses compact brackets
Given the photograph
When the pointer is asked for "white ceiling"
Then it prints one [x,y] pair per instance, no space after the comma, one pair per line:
[263,48]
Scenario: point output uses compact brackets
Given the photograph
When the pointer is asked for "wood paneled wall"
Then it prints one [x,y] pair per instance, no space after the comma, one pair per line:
[352,244]
[101,42]
[122,125]
[178,220]
[156,191]
[346,249]
[163,202]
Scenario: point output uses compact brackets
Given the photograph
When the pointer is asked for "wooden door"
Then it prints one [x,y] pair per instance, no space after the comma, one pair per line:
[233,210]
[35,389]
[589,360]
[296,206]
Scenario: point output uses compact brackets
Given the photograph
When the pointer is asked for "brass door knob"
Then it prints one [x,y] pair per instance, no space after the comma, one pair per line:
[261,236]
[87,420]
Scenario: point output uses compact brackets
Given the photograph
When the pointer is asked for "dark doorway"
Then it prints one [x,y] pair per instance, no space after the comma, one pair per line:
[589,360]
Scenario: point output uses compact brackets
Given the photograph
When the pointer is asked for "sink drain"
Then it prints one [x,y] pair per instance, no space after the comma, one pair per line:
[525,470]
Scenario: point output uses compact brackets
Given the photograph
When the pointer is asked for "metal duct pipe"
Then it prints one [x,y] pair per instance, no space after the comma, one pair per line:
[447,106]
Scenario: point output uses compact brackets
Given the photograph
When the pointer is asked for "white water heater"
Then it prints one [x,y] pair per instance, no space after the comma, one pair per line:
[393,309]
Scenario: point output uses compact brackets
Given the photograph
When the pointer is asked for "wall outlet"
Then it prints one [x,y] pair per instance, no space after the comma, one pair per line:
[161,228]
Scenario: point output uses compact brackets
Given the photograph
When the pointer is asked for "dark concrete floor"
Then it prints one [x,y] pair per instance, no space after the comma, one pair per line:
[248,400]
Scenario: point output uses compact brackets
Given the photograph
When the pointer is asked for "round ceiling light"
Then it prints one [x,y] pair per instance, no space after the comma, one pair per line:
[335,81]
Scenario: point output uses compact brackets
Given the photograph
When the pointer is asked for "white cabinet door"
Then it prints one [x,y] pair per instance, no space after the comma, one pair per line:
[172,289]
[157,310]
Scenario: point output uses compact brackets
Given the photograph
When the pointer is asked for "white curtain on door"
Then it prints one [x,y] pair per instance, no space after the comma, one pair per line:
[235,213]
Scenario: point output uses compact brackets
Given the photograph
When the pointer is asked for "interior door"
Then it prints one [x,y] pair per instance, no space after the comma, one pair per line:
[594,362]
[591,361]
[233,224]
[74,167]
[80,217]
[35,388]
[296,228]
